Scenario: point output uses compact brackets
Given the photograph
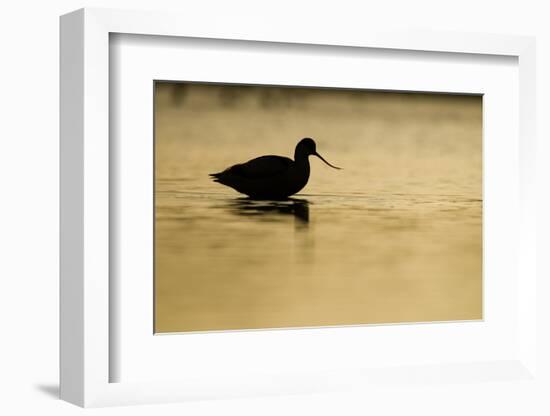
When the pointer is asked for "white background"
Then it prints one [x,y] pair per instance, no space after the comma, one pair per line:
[29,203]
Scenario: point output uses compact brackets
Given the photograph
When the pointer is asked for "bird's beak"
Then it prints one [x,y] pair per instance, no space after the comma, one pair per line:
[321,157]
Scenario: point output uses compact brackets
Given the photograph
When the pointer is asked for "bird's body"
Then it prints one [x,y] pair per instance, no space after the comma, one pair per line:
[271,177]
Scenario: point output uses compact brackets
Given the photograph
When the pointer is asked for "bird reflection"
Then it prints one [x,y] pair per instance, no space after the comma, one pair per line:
[299,208]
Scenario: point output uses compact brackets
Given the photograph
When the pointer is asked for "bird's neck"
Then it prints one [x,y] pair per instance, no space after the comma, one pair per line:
[301,158]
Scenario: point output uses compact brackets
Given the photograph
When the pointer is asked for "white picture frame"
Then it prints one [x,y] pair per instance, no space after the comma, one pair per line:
[86,219]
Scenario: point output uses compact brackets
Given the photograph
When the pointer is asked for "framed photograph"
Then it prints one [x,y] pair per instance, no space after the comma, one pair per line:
[272,212]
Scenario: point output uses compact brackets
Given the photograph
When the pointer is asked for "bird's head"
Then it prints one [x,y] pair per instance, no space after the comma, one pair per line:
[307,147]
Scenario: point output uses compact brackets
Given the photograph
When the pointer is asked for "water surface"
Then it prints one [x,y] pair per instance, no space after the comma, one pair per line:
[394,237]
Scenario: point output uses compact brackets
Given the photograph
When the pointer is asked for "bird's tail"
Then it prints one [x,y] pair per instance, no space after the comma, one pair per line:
[215,176]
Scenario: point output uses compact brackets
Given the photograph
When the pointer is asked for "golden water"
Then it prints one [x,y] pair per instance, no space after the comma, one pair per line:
[396,236]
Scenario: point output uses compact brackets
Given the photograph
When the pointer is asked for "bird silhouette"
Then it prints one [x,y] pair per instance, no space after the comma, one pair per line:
[272,177]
